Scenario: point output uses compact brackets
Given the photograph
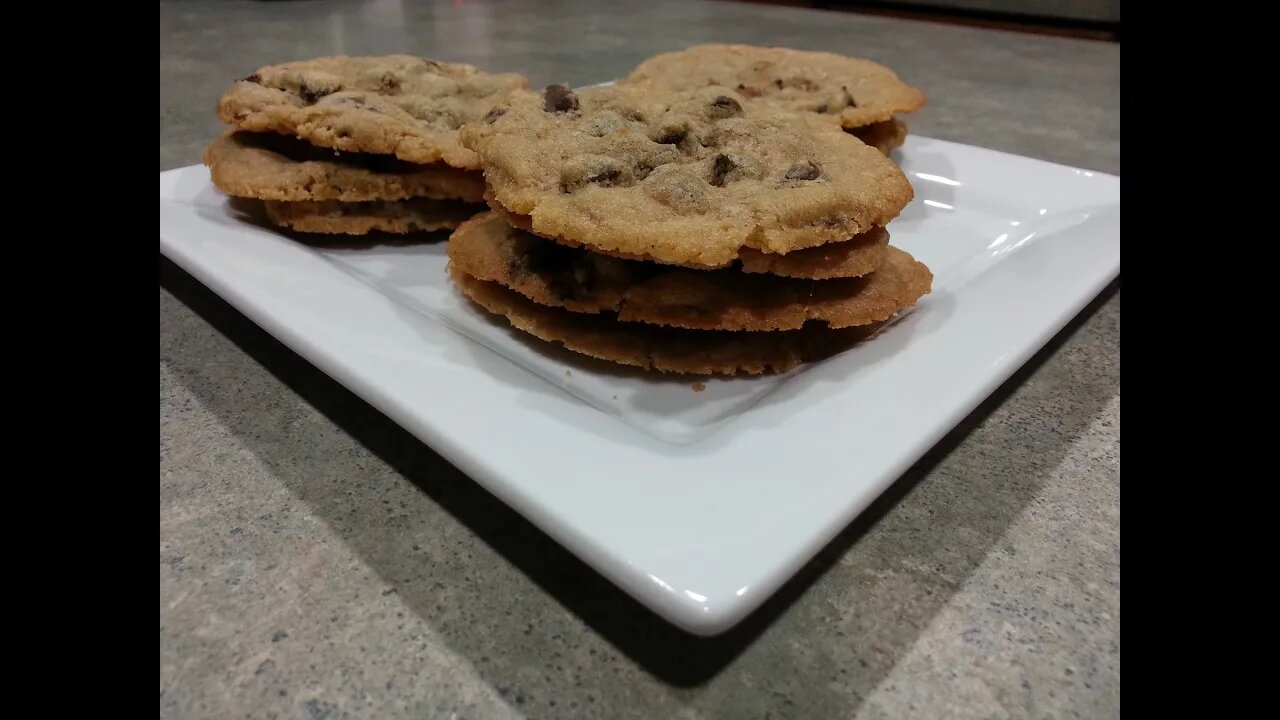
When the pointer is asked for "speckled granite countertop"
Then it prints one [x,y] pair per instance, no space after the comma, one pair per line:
[318,562]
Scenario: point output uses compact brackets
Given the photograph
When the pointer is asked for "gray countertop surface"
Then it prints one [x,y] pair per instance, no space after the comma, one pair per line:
[316,561]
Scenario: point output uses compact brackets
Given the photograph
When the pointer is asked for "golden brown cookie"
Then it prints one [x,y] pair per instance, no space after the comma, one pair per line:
[668,350]
[883,136]
[396,105]
[684,178]
[551,274]
[857,92]
[851,258]
[391,216]
[276,167]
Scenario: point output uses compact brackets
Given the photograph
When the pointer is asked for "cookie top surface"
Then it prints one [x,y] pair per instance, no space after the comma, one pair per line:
[668,350]
[398,105]
[275,167]
[856,92]
[582,281]
[683,178]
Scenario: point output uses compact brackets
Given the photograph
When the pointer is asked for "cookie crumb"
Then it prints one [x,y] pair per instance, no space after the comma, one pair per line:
[699,387]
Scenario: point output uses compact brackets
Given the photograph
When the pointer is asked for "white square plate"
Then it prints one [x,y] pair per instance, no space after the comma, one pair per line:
[699,504]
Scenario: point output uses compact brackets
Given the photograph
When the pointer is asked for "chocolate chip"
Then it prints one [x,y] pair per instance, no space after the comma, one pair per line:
[492,116]
[804,171]
[254,78]
[721,167]
[821,108]
[311,95]
[558,99]
[672,136]
[389,83]
[356,103]
[748,91]
[725,106]
[778,83]
[566,271]
[604,178]
[848,96]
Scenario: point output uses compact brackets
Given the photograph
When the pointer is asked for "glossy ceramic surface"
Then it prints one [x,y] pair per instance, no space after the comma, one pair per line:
[699,504]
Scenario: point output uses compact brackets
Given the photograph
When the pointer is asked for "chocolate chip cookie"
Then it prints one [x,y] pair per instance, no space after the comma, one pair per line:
[856,92]
[276,167]
[687,178]
[551,274]
[668,350]
[851,258]
[398,105]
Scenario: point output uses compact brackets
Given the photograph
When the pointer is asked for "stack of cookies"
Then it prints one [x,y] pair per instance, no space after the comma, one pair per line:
[349,145]
[863,96]
[685,230]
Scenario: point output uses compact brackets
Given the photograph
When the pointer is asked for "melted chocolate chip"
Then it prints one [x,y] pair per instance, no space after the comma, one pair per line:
[548,257]
[804,171]
[492,116]
[567,271]
[725,106]
[721,167]
[559,98]
[311,95]
[605,178]
[672,136]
